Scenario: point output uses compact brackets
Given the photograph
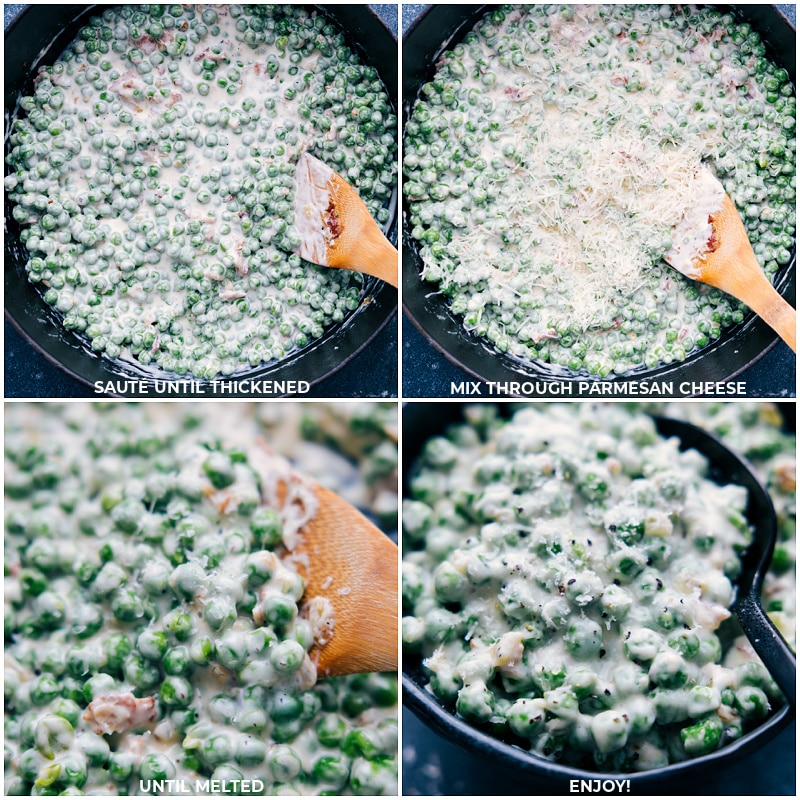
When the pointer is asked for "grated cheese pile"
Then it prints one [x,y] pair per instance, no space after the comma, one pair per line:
[600,213]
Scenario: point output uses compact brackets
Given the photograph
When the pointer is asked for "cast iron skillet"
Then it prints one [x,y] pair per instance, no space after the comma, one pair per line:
[740,346]
[424,420]
[38,36]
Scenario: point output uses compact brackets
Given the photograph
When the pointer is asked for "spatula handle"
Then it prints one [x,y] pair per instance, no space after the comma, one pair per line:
[734,268]
[774,310]
[377,256]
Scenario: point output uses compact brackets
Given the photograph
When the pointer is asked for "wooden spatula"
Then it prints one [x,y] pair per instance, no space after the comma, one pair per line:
[335,226]
[730,265]
[349,563]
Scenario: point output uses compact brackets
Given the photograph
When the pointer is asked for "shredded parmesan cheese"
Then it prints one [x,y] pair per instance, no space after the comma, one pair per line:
[594,215]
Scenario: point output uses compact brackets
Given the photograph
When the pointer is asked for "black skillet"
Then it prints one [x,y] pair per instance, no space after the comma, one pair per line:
[437,29]
[38,36]
[423,420]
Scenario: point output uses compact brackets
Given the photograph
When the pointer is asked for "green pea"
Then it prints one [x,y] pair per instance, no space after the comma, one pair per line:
[44,690]
[475,703]
[752,702]
[177,661]
[201,650]
[232,651]
[152,644]
[450,584]
[330,730]
[702,737]
[120,766]
[176,691]
[73,770]
[584,639]
[140,672]
[250,752]
[284,763]
[178,623]
[219,469]
[128,606]
[68,709]
[52,733]
[84,660]
[128,515]
[279,610]
[32,581]
[285,707]
[216,750]
[258,569]
[156,767]
[266,527]
[98,685]
[330,771]
[155,577]
[49,610]
[187,579]
[220,612]
[287,657]
[366,742]
[527,717]
[117,647]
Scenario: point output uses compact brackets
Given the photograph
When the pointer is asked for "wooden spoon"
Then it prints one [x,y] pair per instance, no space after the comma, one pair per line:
[730,265]
[349,562]
[335,226]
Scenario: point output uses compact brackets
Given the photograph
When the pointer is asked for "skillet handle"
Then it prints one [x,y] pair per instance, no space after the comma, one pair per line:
[769,644]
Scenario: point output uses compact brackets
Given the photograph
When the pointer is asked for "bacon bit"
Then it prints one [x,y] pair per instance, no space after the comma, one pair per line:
[515,93]
[306,676]
[332,221]
[787,477]
[208,54]
[232,294]
[125,81]
[319,612]
[238,262]
[224,500]
[146,43]
[222,675]
[713,241]
[113,713]
[137,745]
[614,325]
